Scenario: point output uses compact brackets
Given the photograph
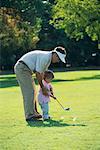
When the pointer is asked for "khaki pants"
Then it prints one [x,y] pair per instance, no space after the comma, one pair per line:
[24,77]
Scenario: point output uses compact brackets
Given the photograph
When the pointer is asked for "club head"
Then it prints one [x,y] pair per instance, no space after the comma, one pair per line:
[66,109]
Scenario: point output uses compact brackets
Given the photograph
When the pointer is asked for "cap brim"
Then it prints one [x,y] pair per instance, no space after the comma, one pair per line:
[61,56]
[63,60]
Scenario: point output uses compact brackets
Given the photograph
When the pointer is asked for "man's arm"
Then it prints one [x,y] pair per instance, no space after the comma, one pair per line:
[39,77]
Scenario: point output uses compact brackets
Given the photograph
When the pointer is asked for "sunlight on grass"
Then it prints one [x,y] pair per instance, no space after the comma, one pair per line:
[77,129]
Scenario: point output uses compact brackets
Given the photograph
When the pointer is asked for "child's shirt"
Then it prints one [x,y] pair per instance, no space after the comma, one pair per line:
[41,97]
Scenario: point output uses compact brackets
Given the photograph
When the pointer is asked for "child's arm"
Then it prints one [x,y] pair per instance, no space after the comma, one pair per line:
[51,91]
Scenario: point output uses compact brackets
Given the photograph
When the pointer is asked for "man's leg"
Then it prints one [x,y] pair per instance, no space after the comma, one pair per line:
[24,77]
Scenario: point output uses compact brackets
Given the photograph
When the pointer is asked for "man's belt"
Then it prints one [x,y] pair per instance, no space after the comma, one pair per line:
[24,64]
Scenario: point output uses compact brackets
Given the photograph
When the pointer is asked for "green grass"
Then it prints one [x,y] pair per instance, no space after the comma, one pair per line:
[79,90]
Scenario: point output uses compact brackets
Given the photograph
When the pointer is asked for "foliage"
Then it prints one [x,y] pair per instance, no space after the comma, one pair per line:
[77,18]
[25,26]
[17,36]
[27,9]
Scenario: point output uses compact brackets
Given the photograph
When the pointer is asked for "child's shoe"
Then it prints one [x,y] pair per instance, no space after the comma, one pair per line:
[47,118]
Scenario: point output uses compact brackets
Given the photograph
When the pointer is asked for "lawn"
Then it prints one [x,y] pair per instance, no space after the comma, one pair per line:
[77,129]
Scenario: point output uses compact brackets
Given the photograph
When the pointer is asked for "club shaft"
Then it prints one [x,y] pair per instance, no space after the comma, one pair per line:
[60,104]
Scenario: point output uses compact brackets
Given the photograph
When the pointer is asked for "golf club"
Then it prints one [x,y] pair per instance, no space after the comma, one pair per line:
[62,106]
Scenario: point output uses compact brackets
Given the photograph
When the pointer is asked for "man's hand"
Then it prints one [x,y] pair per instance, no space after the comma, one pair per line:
[45,91]
[39,77]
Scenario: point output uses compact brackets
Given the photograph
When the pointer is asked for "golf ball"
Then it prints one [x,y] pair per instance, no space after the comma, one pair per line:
[74,119]
[62,117]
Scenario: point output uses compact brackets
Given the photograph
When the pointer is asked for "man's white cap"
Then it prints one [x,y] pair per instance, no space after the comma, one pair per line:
[60,55]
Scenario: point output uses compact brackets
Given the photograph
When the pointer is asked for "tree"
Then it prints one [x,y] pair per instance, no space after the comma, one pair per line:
[78,18]
[17,36]
[28,10]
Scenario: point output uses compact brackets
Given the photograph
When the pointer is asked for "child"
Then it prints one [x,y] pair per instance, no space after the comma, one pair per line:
[44,100]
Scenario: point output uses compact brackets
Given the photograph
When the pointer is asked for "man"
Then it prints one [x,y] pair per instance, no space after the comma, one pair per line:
[35,62]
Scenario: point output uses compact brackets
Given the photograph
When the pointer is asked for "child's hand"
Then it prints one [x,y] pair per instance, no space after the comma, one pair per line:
[54,97]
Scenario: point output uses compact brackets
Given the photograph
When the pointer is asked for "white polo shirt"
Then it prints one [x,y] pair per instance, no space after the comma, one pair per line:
[37,60]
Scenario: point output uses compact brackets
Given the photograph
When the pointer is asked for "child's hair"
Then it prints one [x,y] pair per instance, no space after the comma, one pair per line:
[48,74]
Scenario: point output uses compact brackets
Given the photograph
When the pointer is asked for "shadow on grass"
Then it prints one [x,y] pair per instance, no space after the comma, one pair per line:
[8,82]
[95,77]
[11,81]
[51,123]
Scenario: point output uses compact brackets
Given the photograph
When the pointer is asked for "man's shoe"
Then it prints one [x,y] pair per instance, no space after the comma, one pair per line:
[31,119]
[34,117]
[37,115]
